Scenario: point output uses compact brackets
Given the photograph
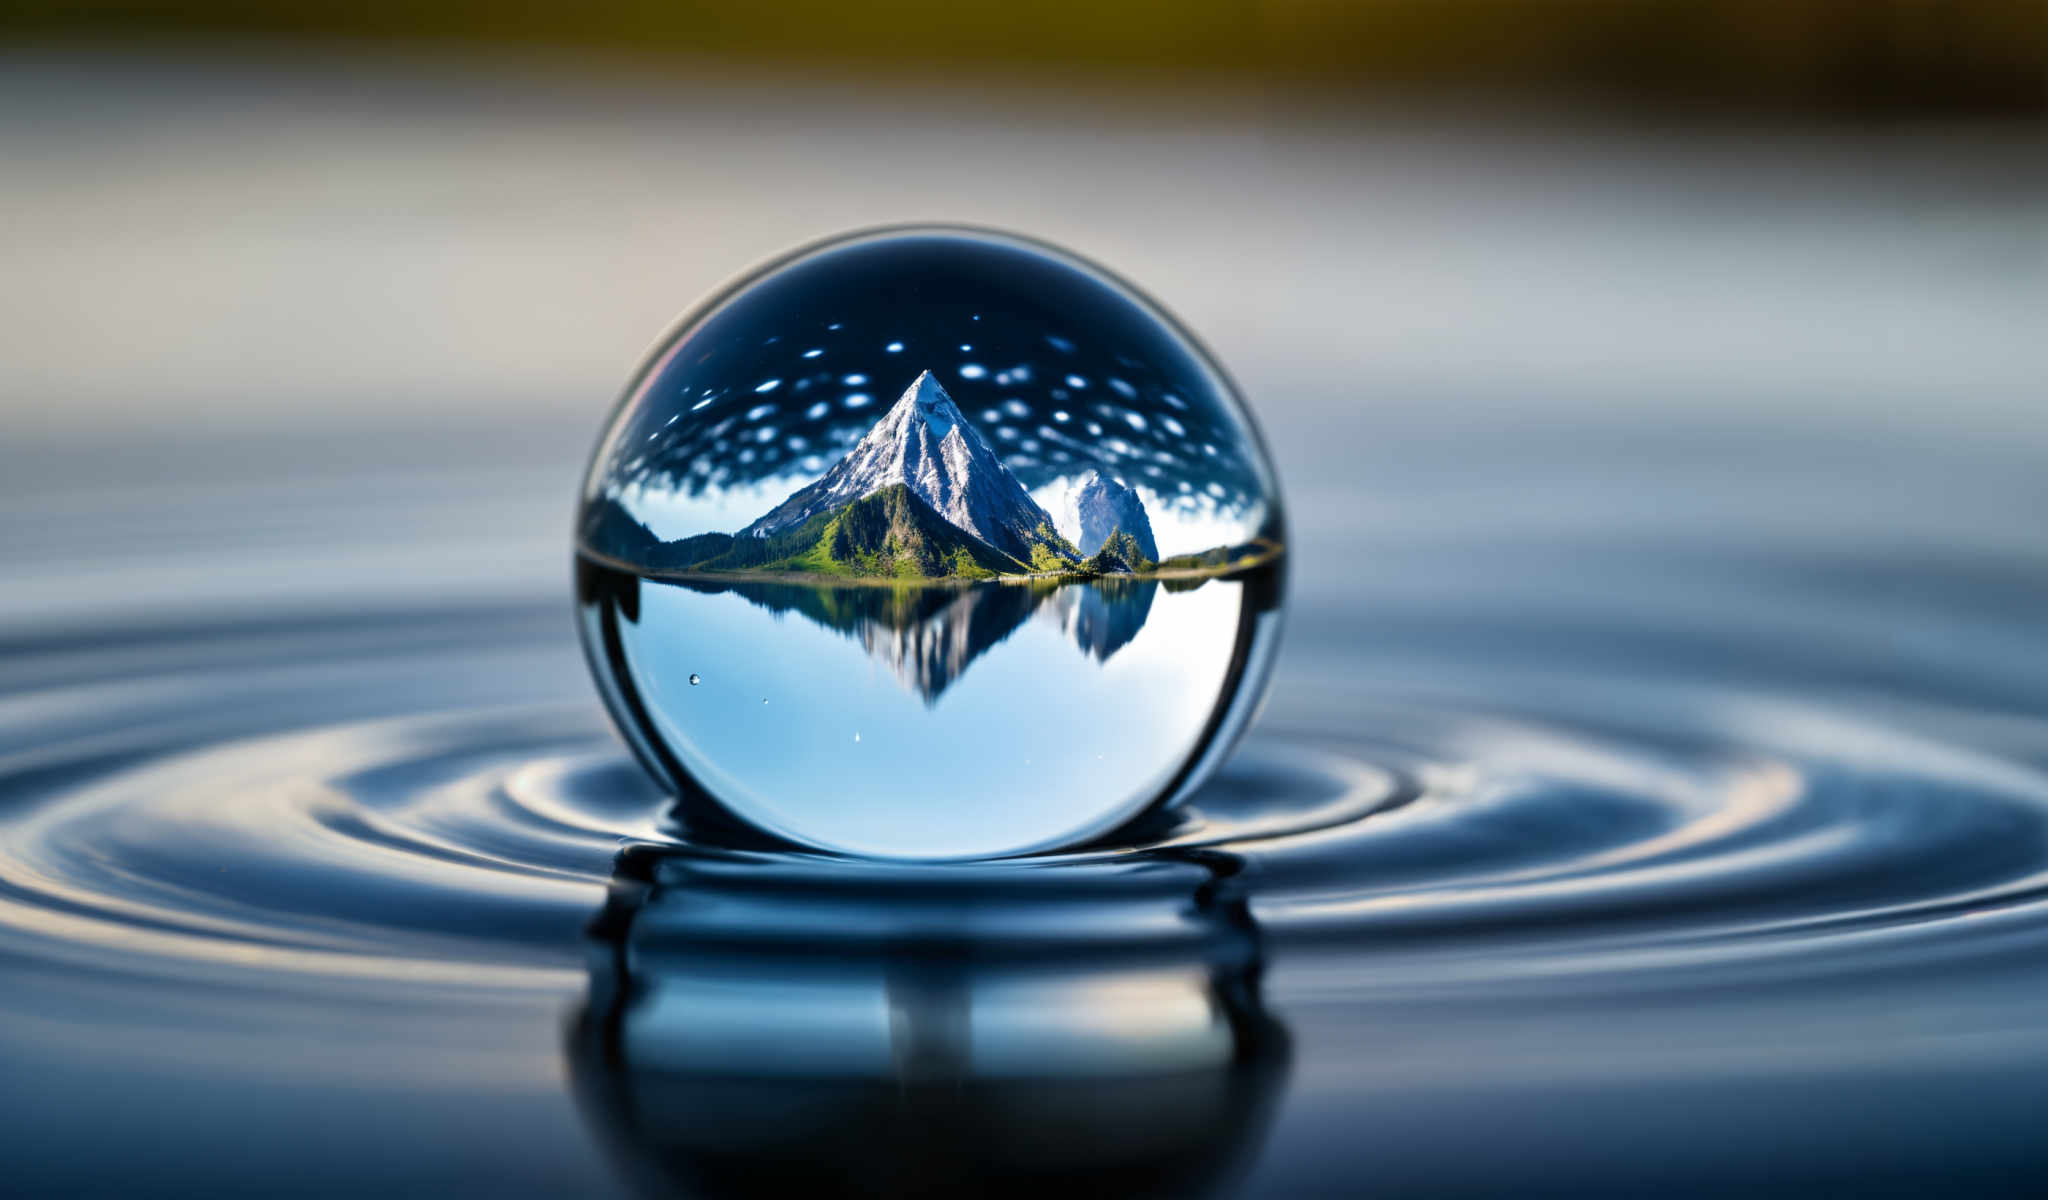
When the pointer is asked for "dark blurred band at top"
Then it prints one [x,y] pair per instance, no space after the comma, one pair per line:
[1819,57]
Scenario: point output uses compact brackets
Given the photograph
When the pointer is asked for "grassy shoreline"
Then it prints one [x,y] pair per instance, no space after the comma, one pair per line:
[816,579]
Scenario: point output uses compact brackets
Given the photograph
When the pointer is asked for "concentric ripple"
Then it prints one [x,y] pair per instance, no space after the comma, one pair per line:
[219,798]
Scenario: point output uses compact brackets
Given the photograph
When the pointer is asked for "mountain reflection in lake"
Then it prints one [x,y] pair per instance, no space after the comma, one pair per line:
[1031,700]
[928,636]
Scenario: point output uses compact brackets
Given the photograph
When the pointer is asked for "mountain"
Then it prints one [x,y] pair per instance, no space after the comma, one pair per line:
[925,444]
[610,530]
[1105,562]
[889,533]
[893,532]
[1121,547]
[1100,507]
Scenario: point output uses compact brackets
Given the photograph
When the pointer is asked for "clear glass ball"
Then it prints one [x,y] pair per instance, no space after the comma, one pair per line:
[929,543]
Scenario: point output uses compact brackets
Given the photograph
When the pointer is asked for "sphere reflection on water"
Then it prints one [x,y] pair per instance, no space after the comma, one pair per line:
[767,1026]
[1030,539]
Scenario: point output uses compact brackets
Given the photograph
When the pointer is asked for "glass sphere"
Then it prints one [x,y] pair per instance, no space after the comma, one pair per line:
[929,543]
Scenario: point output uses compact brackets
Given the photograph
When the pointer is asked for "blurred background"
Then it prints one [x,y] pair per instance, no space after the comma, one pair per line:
[1601,346]
[300,247]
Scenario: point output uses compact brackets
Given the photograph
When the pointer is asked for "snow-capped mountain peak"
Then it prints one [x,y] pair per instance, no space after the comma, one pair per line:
[1097,506]
[925,443]
[933,406]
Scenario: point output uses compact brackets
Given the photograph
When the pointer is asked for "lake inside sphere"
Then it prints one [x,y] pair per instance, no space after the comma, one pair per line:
[929,543]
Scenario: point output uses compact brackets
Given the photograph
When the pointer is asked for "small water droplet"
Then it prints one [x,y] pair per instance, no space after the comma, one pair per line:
[695,679]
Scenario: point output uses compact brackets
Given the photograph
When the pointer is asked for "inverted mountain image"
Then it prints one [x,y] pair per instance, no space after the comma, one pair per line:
[922,496]
[1101,617]
[926,637]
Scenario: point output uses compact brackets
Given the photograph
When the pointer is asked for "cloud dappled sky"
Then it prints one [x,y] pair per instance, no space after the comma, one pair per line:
[1057,368]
